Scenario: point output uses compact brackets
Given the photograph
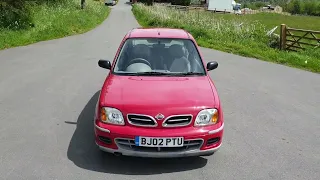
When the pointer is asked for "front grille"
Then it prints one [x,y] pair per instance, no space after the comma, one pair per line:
[177,120]
[141,120]
[188,145]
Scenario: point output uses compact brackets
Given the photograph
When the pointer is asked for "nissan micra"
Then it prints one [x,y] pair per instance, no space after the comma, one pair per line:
[158,99]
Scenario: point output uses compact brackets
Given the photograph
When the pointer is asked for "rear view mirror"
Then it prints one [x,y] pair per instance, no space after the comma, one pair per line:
[104,64]
[212,65]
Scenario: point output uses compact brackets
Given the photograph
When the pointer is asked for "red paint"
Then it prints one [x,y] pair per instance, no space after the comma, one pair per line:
[152,95]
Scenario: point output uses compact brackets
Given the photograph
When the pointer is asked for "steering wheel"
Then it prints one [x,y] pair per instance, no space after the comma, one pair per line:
[139,60]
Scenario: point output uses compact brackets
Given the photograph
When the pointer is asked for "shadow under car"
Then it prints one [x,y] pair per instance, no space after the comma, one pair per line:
[84,153]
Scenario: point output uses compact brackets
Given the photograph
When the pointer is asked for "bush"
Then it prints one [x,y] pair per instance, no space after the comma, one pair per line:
[14,14]
[146,2]
[308,7]
[181,2]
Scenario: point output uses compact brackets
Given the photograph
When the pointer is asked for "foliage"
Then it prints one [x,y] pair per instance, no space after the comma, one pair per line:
[237,35]
[146,2]
[253,5]
[14,14]
[54,20]
[181,2]
[307,7]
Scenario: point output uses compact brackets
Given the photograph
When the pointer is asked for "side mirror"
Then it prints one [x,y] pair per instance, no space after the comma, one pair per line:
[212,65]
[104,64]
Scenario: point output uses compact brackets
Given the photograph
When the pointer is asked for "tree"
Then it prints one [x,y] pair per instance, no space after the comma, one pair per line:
[295,7]
[310,7]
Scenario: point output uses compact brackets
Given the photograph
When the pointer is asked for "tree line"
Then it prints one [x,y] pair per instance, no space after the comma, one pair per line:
[303,7]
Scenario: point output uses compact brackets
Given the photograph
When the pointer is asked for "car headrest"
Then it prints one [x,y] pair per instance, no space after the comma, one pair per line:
[141,51]
[176,51]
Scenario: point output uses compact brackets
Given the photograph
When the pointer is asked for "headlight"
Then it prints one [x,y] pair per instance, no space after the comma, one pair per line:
[206,117]
[111,116]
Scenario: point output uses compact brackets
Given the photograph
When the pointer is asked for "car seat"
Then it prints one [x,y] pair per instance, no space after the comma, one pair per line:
[180,63]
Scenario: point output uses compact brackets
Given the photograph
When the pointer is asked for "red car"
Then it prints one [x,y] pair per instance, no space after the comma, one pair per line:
[158,99]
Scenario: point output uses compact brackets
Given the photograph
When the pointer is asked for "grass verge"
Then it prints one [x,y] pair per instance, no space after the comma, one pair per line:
[56,21]
[225,34]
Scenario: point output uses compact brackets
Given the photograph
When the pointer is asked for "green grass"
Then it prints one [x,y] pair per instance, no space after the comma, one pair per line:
[56,21]
[270,20]
[222,32]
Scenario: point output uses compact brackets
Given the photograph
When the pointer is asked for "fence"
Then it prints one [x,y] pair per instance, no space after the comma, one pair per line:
[203,7]
[185,8]
[245,11]
[293,42]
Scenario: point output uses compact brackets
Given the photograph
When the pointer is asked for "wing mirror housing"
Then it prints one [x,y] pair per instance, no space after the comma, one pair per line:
[106,64]
[212,65]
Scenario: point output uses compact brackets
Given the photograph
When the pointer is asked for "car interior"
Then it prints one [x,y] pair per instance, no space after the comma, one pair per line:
[159,54]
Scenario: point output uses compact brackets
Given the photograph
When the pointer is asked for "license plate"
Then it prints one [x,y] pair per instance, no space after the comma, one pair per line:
[159,142]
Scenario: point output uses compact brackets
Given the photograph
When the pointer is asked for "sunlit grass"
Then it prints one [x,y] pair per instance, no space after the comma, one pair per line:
[56,21]
[236,35]
[270,20]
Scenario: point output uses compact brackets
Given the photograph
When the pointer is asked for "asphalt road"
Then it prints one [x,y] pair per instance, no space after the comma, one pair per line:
[48,91]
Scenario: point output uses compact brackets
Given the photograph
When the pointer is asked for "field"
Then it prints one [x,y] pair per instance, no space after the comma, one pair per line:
[270,20]
[56,21]
[224,32]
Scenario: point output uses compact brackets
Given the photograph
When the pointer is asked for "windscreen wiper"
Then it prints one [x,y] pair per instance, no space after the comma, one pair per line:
[151,73]
[191,73]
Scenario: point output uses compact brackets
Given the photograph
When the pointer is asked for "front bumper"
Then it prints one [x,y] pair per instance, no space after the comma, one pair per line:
[196,141]
[160,154]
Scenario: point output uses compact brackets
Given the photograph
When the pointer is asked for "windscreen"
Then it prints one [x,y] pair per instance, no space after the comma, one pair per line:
[166,56]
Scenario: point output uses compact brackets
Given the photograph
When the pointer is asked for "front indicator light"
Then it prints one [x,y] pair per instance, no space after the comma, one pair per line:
[214,118]
[103,115]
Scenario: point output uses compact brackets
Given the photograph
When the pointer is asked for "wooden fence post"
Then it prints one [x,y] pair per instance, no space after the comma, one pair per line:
[283,37]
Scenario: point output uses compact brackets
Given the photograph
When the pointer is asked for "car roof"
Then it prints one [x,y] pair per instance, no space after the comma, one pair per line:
[159,33]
